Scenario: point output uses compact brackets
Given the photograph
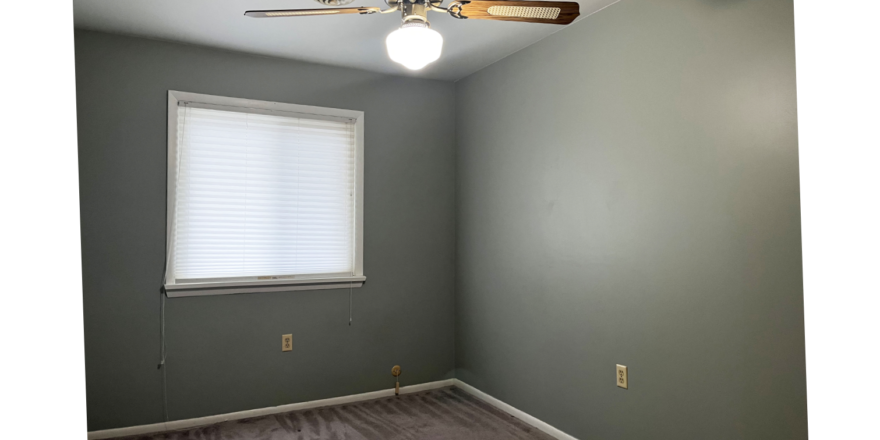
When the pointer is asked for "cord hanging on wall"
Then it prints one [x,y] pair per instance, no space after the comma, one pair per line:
[162,352]
[396,372]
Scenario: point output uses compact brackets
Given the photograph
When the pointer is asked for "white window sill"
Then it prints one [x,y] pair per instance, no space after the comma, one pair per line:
[226,288]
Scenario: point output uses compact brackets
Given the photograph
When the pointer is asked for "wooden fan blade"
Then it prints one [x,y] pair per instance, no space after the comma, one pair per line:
[308,12]
[524,11]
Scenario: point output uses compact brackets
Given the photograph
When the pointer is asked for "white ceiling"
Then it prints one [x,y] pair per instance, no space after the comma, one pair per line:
[356,41]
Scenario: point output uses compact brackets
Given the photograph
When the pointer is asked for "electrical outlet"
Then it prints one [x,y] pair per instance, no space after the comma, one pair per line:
[286,342]
[622,379]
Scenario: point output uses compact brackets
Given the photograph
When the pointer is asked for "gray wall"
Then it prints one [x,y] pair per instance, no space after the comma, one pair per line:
[627,192]
[223,351]
[624,191]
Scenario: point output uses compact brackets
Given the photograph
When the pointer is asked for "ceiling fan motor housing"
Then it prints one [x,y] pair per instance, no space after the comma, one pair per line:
[414,12]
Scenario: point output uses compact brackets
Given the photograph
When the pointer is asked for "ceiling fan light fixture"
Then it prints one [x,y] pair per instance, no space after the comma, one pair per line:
[415,45]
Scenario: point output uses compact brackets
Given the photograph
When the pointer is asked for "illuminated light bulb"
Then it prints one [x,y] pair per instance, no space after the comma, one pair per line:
[414,45]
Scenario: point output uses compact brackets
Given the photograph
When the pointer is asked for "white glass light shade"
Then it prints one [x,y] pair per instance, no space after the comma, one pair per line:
[414,47]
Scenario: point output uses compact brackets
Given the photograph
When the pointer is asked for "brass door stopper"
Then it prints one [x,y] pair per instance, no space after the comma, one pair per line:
[396,372]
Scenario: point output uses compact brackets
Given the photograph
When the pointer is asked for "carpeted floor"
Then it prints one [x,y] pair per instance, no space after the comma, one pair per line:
[442,414]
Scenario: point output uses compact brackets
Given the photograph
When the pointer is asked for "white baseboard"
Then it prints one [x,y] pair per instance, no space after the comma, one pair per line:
[202,421]
[542,426]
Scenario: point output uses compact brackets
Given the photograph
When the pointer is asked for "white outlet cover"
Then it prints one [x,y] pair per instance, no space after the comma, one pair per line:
[622,377]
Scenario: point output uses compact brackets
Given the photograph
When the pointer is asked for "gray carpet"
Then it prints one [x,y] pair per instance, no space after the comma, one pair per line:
[442,414]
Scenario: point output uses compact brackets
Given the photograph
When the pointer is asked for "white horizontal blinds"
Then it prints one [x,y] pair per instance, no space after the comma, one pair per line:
[263,195]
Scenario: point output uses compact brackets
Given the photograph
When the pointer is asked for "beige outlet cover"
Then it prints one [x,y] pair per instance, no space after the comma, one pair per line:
[286,342]
[622,377]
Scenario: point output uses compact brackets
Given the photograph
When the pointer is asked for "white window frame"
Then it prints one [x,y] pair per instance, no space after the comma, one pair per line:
[289,283]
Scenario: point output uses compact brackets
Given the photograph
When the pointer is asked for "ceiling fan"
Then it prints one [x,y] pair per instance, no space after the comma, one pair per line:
[415,44]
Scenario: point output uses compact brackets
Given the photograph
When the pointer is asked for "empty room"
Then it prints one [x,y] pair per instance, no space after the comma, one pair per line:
[441,219]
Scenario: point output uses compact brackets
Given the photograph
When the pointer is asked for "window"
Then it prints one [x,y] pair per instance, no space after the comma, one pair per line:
[262,196]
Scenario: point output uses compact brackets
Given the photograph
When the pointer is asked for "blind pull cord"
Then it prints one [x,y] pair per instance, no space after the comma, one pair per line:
[163,353]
